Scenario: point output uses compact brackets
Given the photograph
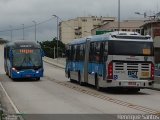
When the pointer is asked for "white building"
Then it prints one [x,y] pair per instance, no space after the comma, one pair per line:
[80,27]
[126,25]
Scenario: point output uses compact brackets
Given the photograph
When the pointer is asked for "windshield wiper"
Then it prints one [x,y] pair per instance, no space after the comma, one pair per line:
[24,60]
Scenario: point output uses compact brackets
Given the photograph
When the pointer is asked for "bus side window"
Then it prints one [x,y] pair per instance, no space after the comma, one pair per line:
[97,53]
[105,54]
[102,47]
[67,52]
[8,51]
[78,53]
[72,52]
[92,52]
[81,52]
[5,52]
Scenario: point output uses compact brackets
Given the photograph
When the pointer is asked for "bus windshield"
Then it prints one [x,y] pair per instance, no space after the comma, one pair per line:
[27,58]
[130,48]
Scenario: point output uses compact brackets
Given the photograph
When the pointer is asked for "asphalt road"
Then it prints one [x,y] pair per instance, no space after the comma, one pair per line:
[48,97]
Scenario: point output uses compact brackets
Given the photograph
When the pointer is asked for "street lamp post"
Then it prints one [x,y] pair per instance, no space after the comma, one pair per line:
[11,31]
[35,30]
[23,30]
[144,14]
[57,33]
[152,17]
[118,15]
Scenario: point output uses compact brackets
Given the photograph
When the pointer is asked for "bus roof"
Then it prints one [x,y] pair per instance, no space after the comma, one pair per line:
[23,44]
[117,35]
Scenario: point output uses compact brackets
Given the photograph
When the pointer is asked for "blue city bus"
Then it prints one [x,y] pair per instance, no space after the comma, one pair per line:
[116,59]
[23,59]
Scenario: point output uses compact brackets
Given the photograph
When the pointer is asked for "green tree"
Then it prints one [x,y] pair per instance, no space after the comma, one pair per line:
[50,46]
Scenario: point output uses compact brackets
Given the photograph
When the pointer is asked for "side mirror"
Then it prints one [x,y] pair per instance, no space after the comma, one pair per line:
[10,54]
[67,53]
[42,52]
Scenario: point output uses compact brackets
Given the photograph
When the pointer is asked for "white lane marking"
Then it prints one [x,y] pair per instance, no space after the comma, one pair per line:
[15,108]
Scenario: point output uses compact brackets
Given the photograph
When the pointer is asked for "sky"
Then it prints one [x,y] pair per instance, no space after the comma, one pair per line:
[15,13]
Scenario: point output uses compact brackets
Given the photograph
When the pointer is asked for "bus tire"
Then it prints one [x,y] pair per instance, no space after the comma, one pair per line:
[14,79]
[134,90]
[9,74]
[68,73]
[6,73]
[97,83]
[79,79]
[38,78]
[69,76]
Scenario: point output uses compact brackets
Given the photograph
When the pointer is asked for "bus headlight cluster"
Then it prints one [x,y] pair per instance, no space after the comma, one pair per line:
[37,72]
[14,69]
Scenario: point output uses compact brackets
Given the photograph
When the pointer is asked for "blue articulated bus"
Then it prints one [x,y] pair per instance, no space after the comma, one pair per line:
[23,59]
[116,59]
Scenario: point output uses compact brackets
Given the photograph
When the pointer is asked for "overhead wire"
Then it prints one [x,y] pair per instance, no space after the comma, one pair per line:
[26,27]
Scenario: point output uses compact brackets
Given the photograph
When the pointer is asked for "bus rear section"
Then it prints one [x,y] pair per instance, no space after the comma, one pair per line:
[130,74]
[116,59]
[130,64]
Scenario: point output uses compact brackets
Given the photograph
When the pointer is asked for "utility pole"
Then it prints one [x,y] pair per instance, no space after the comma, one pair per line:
[23,31]
[118,15]
[11,31]
[57,33]
[35,30]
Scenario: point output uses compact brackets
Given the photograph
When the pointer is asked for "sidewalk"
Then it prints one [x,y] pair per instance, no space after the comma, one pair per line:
[157,83]
[61,63]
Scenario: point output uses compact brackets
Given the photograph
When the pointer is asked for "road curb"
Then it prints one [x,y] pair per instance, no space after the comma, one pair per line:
[17,115]
[157,89]
[55,64]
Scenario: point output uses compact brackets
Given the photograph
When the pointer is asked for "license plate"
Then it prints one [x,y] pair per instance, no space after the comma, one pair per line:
[28,75]
[145,74]
[131,83]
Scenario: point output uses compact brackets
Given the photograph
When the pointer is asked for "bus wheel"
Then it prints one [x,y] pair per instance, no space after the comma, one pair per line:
[14,79]
[68,74]
[71,80]
[9,75]
[38,78]
[79,79]
[6,73]
[97,83]
[134,90]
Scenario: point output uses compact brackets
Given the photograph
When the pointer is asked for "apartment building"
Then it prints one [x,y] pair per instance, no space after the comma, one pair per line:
[80,27]
[126,25]
[152,28]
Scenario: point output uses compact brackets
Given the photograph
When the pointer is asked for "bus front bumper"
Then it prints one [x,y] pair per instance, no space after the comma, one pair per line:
[27,73]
